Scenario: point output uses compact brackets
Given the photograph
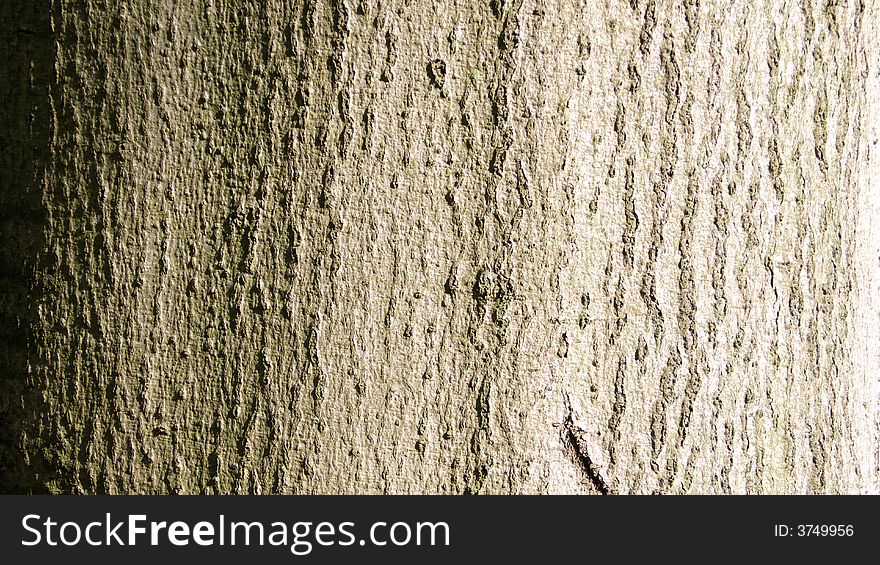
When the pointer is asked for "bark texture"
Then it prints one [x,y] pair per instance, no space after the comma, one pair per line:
[406,246]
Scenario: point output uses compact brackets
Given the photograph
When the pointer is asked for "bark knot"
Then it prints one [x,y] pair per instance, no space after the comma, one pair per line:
[437,72]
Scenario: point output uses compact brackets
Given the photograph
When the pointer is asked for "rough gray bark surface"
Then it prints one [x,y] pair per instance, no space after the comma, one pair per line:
[404,246]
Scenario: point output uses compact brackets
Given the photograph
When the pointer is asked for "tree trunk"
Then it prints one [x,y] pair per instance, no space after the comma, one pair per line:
[447,246]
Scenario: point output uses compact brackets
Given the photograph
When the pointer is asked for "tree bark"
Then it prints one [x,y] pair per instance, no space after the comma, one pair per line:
[400,246]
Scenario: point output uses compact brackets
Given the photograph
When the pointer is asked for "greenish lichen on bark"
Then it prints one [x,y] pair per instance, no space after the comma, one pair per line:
[524,246]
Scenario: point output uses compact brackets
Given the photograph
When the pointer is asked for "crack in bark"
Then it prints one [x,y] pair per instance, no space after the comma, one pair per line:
[576,450]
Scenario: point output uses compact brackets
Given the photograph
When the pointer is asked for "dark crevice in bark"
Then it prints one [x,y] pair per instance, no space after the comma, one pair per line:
[579,455]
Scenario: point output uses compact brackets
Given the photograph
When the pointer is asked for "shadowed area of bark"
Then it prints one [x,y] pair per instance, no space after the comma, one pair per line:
[25,75]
